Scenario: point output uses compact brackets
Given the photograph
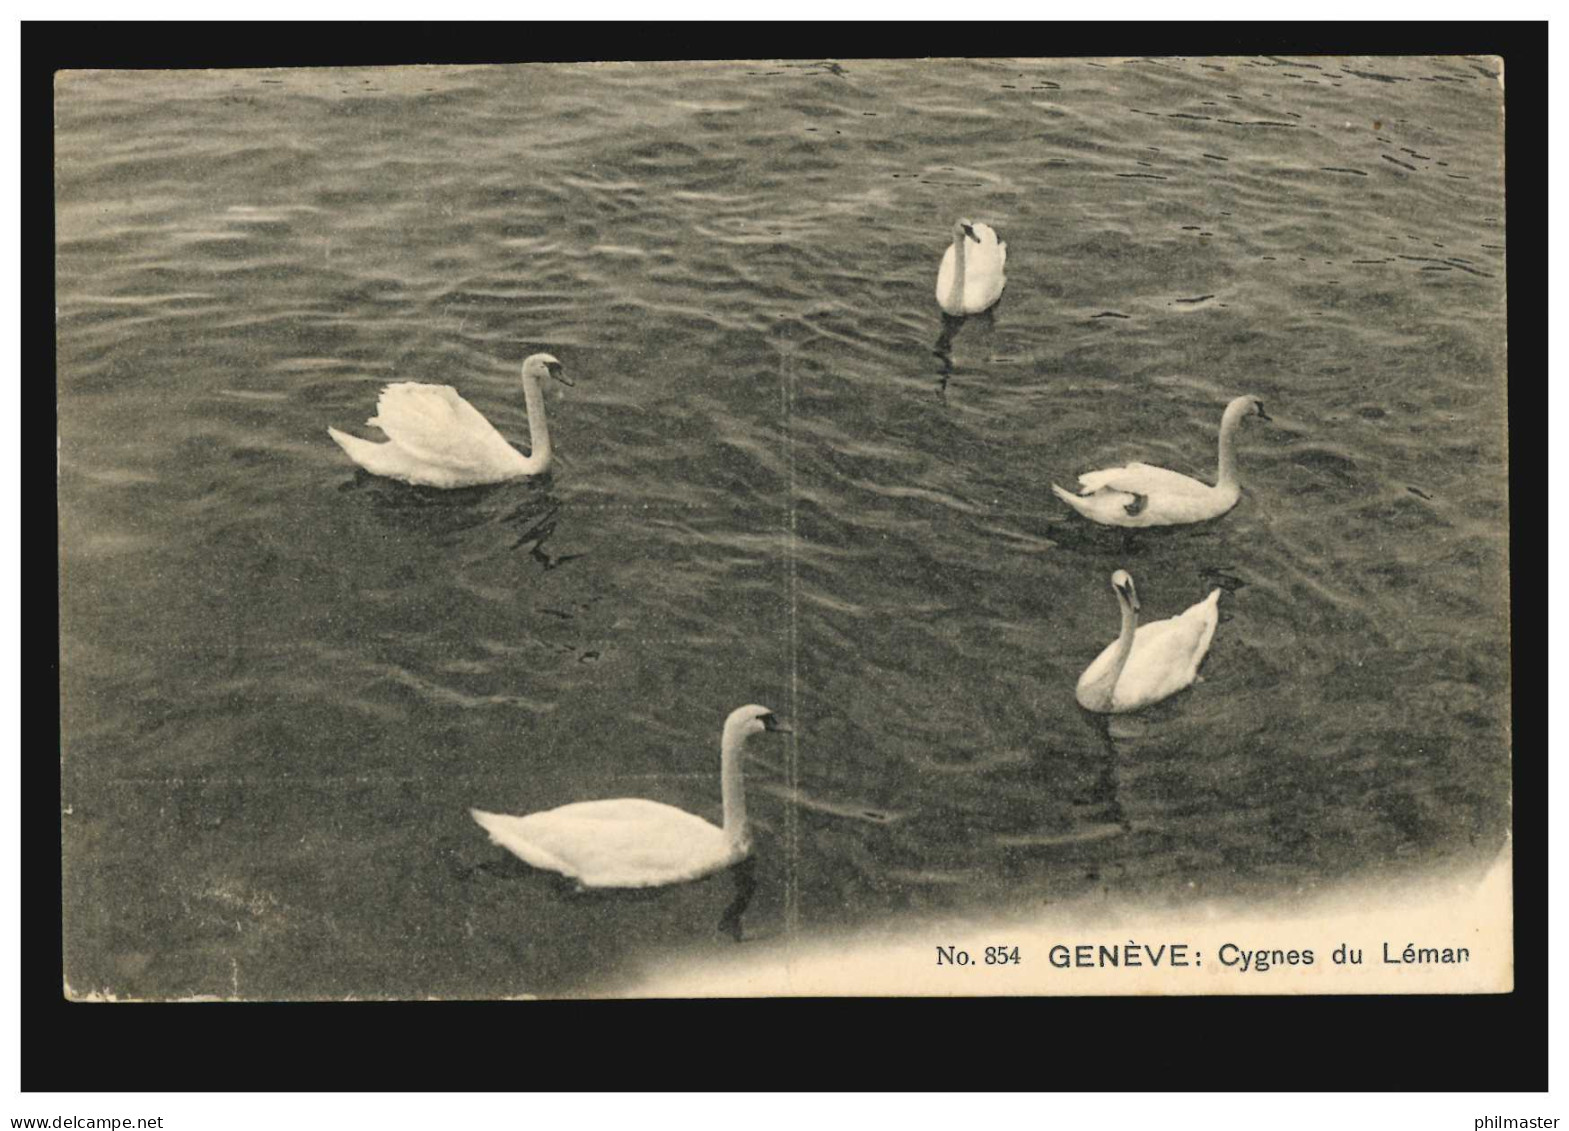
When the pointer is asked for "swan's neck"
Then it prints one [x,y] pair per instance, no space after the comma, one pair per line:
[956,292]
[1226,477]
[1106,690]
[1229,424]
[1130,625]
[731,750]
[538,432]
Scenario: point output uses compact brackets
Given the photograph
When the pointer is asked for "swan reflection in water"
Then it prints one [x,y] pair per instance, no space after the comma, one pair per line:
[1106,791]
[742,876]
[745,876]
[536,522]
[942,349]
[526,512]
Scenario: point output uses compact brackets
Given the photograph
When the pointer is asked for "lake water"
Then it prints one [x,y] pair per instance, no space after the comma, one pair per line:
[284,682]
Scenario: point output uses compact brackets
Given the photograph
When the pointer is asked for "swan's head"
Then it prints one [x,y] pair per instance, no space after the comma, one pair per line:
[542,365]
[1123,584]
[1247,406]
[753,719]
[966,228]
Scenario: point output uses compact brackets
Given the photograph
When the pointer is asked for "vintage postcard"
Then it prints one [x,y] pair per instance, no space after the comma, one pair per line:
[860,527]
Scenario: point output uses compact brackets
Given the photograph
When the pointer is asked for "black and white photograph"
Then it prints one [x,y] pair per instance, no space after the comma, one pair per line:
[815,527]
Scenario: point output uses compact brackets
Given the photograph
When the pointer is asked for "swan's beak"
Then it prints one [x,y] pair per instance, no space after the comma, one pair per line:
[969,231]
[559,373]
[1264,416]
[772,723]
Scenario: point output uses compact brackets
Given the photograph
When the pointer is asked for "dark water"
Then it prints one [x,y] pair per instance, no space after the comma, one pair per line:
[285,682]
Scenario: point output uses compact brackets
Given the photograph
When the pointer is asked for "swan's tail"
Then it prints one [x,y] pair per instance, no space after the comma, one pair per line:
[490,822]
[1208,611]
[347,443]
[1070,498]
[511,833]
[362,452]
[504,832]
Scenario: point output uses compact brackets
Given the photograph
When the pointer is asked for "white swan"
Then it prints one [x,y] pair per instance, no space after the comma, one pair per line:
[1146,664]
[1141,495]
[632,843]
[437,439]
[970,279]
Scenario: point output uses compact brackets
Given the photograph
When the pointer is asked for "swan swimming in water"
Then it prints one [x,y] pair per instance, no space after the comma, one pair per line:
[1148,663]
[1141,495]
[970,279]
[633,843]
[435,438]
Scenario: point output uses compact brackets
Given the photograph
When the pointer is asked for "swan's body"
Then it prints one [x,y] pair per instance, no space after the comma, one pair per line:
[1148,663]
[624,843]
[435,438]
[971,277]
[1140,495]
[629,842]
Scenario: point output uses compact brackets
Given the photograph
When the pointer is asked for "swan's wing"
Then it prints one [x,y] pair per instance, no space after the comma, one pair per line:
[1142,479]
[623,842]
[1167,653]
[1112,508]
[984,280]
[438,427]
[522,837]
[988,239]
[991,251]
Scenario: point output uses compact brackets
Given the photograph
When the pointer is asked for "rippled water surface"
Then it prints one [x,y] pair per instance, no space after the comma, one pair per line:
[285,682]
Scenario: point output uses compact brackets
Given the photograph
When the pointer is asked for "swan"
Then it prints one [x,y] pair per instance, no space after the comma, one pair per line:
[1141,495]
[629,842]
[1146,664]
[437,439]
[970,280]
